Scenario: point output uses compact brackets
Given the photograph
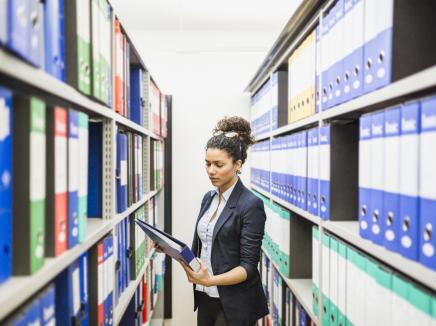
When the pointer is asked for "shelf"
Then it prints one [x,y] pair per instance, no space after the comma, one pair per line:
[16,68]
[121,216]
[263,137]
[128,293]
[297,210]
[402,88]
[349,231]
[296,125]
[261,191]
[301,289]
[19,289]
[417,82]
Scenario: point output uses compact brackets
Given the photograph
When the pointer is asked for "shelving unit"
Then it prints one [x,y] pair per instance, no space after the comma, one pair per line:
[22,77]
[302,290]
[416,85]
[20,288]
[130,292]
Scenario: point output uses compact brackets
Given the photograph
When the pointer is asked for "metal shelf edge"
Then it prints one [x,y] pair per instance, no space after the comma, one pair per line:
[19,289]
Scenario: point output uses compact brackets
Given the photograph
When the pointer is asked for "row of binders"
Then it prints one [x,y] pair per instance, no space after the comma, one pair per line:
[129,169]
[358,290]
[299,169]
[397,189]
[79,42]
[43,184]
[143,302]
[157,162]
[82,294]
[285,310]
[358,47]
[268,103]
[276,240]
[132,246]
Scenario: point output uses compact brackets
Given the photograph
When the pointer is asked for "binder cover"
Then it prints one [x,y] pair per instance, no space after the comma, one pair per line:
[170,245]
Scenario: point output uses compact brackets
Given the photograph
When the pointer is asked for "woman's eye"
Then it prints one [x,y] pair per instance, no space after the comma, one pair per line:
[220,166]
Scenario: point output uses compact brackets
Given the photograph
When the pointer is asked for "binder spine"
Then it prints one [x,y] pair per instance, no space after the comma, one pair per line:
[6,183]
[365,176]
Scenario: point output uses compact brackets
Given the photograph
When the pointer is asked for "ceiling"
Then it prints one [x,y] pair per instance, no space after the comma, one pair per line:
[242,15]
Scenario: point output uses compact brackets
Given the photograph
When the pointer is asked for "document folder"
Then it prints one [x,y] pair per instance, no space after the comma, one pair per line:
[170,245]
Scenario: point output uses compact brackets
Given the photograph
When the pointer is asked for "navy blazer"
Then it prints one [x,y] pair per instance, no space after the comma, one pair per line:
[237,241]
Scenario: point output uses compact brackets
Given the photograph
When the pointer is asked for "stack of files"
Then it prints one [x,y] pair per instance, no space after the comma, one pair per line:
[95,169]
[54,38]
[315,269]
[163,116]
[137,101]
[396,194]
[154,97]
[289,168]
[123,257]
[351,277]
[138,242]
[119,70]
[157,165]
[101,282]
[6,190]
[145,89]
[121,172]
[312,197]
[261,109]
[145,297]
[318,94]
[22,29]
[78,47]
[56,222]
[78,146]
[72,293]
[39,311]
[28,183]
[366,45]
[138,167]
[260,170]
[279,99]
[277,298]
[133,313]
[302,318]
[301,84]
[289,307]
[134,168]
[101,45]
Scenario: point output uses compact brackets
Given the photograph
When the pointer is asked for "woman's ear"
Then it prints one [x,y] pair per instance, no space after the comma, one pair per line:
[238,165]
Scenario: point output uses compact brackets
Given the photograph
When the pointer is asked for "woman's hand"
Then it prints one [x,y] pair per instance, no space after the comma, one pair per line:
[156,247]
[201,277]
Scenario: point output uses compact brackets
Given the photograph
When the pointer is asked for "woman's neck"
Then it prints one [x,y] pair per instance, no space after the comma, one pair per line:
[227,186]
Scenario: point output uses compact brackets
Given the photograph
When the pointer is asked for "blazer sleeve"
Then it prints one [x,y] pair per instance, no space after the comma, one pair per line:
[252,231]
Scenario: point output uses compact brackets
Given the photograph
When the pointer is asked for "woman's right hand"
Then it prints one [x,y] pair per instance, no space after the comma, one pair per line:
[156,247]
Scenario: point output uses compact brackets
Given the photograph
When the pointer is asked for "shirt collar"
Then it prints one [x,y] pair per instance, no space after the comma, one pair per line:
[226,194]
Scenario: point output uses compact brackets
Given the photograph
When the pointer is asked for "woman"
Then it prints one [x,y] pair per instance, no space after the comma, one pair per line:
[228,235]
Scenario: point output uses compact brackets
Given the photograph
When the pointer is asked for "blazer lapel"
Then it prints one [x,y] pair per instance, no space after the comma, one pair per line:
[228,210]
[204,208]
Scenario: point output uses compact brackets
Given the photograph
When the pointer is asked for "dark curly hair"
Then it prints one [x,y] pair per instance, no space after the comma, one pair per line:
[232,134]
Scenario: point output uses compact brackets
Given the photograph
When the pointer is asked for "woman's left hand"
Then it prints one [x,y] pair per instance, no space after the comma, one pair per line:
[201,277]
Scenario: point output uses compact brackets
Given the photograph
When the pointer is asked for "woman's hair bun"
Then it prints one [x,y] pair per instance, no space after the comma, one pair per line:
[238,125]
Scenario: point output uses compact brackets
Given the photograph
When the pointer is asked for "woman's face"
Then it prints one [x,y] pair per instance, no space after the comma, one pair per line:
[220,167]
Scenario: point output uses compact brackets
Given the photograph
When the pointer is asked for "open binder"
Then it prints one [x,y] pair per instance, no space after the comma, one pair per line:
[170,245]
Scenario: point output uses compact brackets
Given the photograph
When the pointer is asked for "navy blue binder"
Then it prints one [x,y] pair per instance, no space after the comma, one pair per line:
[121,172]
[54,38]
[136,95]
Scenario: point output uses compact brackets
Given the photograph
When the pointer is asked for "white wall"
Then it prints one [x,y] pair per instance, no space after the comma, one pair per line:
[206,85]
